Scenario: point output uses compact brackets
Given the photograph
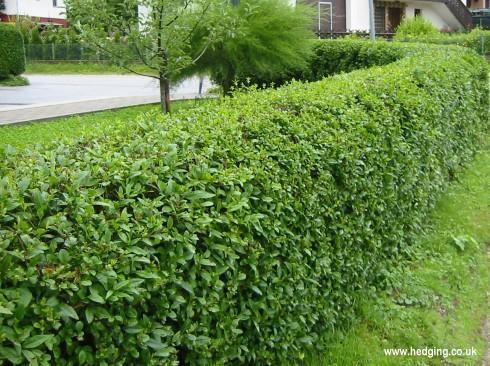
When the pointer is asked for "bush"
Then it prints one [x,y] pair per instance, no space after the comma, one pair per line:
[265,37]
[478,40]
[12,55]
[334,57]
[416,27]
[237,233]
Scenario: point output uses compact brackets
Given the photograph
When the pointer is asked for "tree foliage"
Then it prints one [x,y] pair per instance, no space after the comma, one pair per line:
[160,37]
[264,39]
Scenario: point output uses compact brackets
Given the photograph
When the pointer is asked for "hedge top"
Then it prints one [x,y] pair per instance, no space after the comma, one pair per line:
[237,233]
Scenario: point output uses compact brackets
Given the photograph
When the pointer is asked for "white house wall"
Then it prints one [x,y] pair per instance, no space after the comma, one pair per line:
[357,15]
[439,14]
[36,8]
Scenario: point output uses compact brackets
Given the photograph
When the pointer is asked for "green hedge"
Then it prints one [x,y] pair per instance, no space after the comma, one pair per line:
[238,233]
[12,54]
[478,40]
[333,57]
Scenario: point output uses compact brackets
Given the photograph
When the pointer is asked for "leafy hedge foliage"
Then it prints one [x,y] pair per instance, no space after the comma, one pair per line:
[477,39]
[334,57]
[238,233]
[12,54]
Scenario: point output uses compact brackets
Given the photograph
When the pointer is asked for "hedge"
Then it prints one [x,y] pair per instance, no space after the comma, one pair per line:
[478,40]
[12,54]
[236,233]
[334,57]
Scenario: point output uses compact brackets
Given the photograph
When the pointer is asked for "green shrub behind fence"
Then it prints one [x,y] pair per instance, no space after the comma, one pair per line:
[478,40]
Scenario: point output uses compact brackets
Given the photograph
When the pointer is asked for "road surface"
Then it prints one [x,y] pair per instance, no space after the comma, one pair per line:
[50,96]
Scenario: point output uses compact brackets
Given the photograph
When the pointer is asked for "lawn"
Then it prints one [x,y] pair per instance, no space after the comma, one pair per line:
[25,135]
[80,68]
[439,299]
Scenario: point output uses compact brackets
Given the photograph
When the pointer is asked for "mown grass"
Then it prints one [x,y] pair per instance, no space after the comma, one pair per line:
[14,81]
[99,123]
[80,68]
[440,298]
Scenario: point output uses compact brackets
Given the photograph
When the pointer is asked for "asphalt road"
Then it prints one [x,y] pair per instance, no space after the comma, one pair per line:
[53,96]
[59,89]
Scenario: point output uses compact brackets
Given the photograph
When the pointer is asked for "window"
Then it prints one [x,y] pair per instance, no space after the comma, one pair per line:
[325,17]
[417,12]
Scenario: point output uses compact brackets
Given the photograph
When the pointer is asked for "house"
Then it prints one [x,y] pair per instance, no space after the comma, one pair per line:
[41,11]
[339,16]
[478,4]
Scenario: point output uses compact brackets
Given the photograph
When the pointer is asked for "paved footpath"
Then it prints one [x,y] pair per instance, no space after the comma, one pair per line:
[52,96]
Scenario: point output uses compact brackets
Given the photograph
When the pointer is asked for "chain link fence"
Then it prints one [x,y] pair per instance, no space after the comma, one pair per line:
[63,52]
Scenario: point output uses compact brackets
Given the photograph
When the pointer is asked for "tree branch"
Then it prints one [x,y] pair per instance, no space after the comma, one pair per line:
[187,2]
[198,22]
[114,55]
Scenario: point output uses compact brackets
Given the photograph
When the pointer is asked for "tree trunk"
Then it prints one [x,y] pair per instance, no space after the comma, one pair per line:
[229,78]
[227,83]
[165,94]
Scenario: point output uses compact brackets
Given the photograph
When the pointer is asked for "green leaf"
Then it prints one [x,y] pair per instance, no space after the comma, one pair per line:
[199,195]
[10,354]
[36,341]
[84,179]
[186,286]
[95,297]
[89,314]
[64,256]
[67,311]
[83,357]
[207,262]
[4,310]
[25,297]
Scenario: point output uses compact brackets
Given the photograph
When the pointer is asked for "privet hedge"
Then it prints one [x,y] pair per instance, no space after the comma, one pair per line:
[478,40]
[236,233]
[333,57]
[12,54]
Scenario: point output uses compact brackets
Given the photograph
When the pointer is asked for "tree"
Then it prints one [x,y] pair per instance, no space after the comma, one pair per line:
[265,39]
[2,4]
[160,37]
